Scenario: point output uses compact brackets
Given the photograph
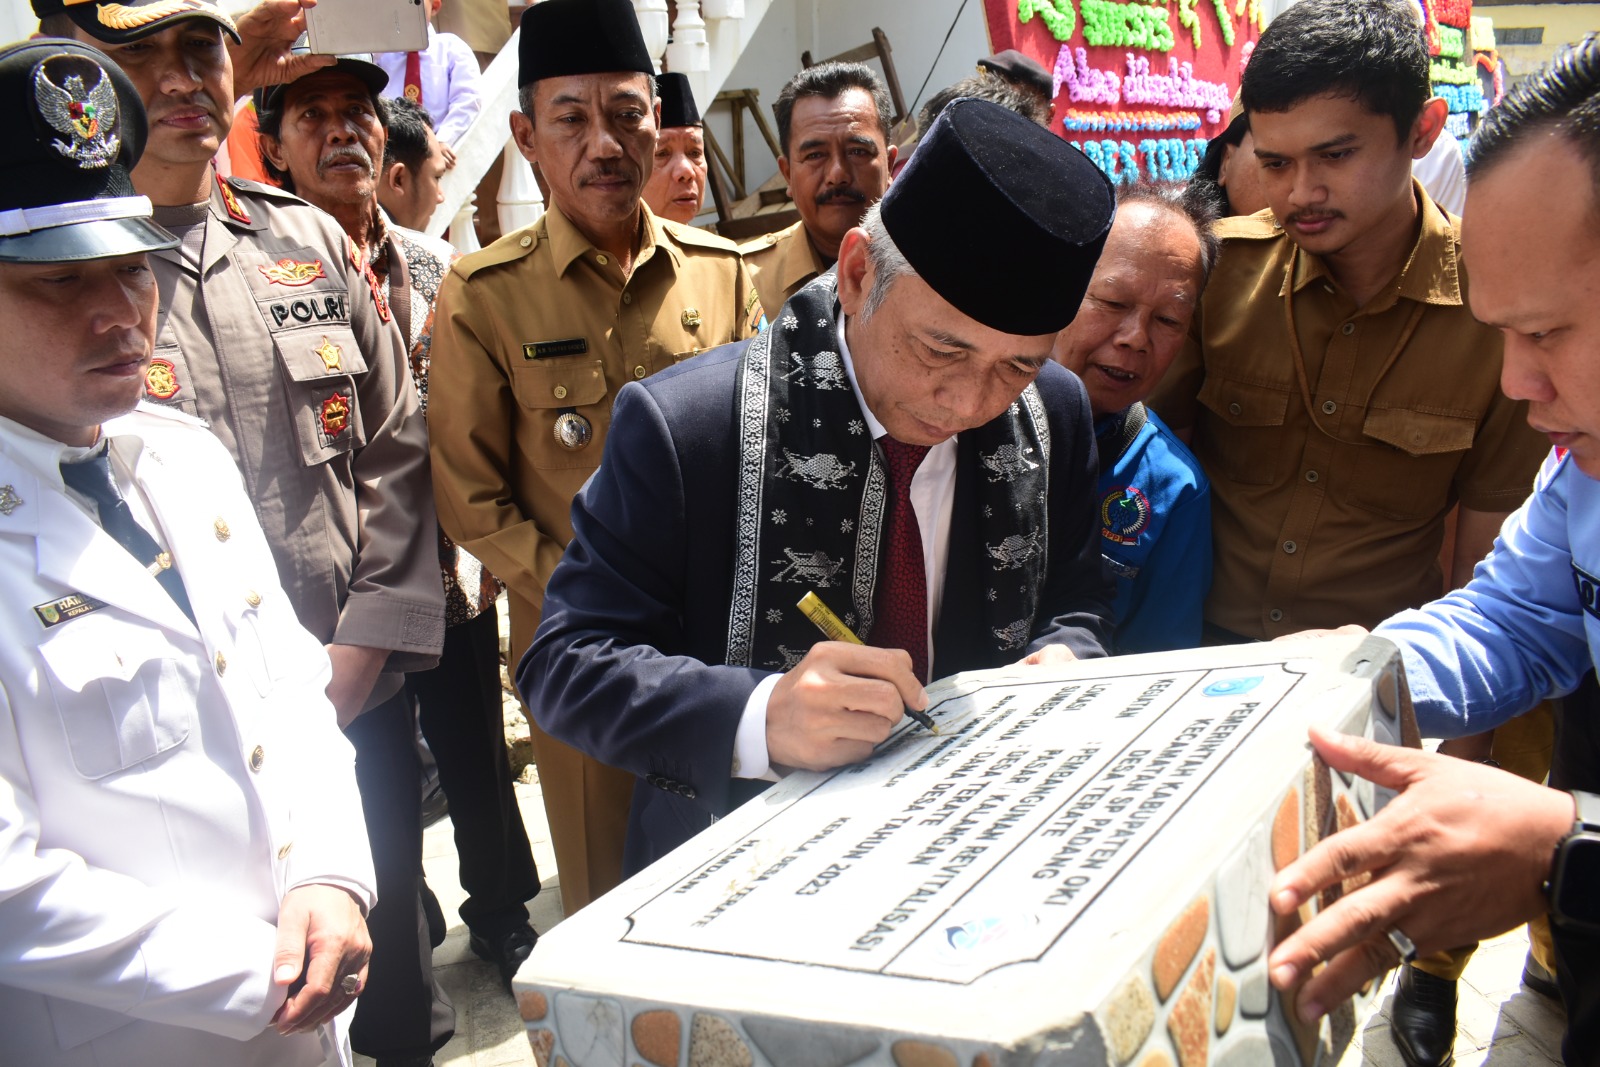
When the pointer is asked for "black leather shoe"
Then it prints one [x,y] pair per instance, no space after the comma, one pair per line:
[1541,981]
[1423,1018]
[506,951]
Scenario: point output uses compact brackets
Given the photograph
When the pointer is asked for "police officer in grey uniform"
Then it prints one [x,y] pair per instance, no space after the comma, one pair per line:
[276,332]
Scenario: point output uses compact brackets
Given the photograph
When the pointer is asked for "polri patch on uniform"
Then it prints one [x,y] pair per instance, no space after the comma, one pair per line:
[1124,513]
[161,380]
[572,346]
[1588,589]
[66,609]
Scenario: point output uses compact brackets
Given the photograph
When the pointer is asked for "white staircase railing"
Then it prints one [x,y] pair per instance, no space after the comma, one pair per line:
[710,35]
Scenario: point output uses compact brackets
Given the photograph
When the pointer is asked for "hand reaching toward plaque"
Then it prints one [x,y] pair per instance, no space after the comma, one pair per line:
[1047,656]
[837,703]
[1459,855]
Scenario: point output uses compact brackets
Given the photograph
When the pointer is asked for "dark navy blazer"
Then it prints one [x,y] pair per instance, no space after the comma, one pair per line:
[627,663]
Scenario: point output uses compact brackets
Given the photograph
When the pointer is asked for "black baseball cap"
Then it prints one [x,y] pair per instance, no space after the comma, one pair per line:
[73,131]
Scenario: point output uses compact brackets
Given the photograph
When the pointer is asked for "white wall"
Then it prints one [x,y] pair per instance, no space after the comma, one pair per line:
[827,27]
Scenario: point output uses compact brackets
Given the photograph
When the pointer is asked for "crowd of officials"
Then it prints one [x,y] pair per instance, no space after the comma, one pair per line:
[269,455]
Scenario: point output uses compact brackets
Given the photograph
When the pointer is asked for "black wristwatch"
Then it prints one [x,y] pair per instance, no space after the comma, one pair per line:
[1574,885]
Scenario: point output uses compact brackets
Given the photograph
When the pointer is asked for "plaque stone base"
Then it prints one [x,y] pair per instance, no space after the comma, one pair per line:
[1073,872]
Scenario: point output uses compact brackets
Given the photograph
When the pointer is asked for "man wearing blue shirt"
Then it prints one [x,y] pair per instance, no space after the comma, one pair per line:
[1467,851]
[1155,501]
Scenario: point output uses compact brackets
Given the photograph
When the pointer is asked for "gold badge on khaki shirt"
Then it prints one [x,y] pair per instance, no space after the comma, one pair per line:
[573,430]
[690,318]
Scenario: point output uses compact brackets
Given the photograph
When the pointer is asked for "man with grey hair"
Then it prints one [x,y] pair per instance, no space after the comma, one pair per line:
[833,124]
[898,443]
[534,336]
[1155,501]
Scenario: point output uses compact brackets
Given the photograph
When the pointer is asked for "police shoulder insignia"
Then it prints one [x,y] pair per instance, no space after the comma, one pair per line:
[86,114]
[230,203]
[1124,514]
[335,414]
[161,380]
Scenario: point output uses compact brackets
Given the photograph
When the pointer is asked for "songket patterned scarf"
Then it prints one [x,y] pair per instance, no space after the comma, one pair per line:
[812,493]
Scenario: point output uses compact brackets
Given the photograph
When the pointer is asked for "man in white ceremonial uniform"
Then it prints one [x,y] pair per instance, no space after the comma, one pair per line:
[184,871]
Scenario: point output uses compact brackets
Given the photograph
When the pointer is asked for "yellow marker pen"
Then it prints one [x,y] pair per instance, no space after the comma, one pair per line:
[834,629]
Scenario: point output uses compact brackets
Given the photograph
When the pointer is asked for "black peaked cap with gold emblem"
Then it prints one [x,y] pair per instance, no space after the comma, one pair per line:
[73,127]
[561,38]
[677,101]
[986,186]
[121,21]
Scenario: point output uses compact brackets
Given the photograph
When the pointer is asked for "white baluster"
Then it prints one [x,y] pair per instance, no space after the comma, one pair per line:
[653,25]
[689,50]
[463,235]
[520,202]
[722,9]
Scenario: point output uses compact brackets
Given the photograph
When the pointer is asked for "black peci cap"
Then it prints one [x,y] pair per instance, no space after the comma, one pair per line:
[73,130]
[677,101]
[360,64]
[986,179]
[118,22]
[1019,69]
[565,37]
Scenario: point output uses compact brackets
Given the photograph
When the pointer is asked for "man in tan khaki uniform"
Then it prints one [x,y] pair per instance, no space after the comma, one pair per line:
[535,335]
[833,124]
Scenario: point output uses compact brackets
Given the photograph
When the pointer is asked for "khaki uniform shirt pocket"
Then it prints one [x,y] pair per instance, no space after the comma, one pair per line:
[320,369]
[547,390]
[122,695]
[1246,441]
[1408,472]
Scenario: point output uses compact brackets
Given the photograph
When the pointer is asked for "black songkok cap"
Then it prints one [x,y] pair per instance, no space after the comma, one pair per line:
[565,37]
[677,101]
[985,186]
[73,128]
[121,21]
[1019,69]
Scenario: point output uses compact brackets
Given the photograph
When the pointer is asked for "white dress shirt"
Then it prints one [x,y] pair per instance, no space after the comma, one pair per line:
[933,494]
[452,92]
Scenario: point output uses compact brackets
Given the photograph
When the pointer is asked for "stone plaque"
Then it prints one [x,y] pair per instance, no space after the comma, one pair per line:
[1073,871]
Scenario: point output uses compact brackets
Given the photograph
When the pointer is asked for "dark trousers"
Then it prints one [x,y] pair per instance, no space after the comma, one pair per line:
[1576,765]
[463,722]
[402,1011]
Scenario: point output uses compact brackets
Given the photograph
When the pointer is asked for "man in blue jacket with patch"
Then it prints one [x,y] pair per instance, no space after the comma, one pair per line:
[1155,501]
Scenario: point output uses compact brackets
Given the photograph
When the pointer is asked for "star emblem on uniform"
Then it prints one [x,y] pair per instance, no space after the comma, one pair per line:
[846,525]
[857,427]
[774,615]
[779,517]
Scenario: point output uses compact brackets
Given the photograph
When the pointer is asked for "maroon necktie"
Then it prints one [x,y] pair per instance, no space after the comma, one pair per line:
[901,607]
[413,87]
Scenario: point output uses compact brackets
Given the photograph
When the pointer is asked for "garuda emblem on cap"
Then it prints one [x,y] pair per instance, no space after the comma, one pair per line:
[88,116]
